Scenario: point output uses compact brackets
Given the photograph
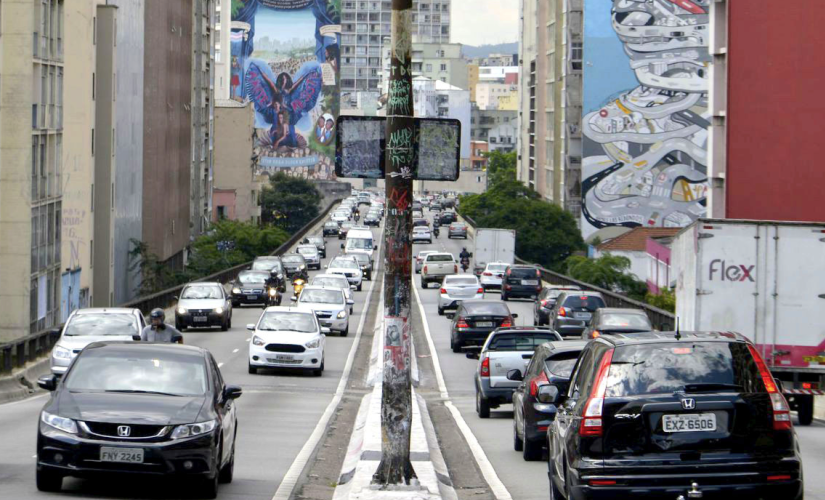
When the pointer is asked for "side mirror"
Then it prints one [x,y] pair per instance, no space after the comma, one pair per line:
[232,392]
[325,330]
[514,315]
[136,338]
[515,375]
[548,394]
[350,302]
[47,382]
[450,315]
[472,355]
[250,327]
[375,247]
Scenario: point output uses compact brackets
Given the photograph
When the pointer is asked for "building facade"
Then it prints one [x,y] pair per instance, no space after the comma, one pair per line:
[223,50]
[202,115]
[488,94]
[478,160]
[436,61]
[497,127]
[236,187]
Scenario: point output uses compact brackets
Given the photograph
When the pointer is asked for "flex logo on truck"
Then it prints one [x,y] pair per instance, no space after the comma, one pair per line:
[735,272]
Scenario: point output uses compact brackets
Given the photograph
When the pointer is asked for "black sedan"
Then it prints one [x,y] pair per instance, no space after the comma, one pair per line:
[275,267]
[344,230]
[140,409]
[331,229]
[546,300]
[253,288]
[373,220]
[365,263]
[534,400]
[294,264]
[475,319]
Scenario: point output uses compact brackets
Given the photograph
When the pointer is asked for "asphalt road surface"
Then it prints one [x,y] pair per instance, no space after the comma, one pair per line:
[276,415]
[528,480]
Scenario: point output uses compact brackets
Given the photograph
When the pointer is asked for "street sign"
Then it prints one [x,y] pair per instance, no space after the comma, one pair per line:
[361,148]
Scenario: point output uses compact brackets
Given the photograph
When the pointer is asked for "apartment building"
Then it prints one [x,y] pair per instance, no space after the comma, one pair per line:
[202,115]
[497,127]
[436,61]
[223,50]
[237,189]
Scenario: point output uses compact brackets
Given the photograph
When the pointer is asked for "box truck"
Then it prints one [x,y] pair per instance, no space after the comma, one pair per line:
[766,281]
[493,245]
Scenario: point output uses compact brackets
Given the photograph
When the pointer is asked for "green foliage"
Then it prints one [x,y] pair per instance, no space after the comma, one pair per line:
[665,300]
[289,202]
[334,10]
[608,271]
[155,275]
[501,167]
[246,240]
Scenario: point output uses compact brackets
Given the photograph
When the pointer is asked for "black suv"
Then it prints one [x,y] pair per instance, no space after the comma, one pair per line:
[574,310]
[667,415]
[447,218]
[521,282]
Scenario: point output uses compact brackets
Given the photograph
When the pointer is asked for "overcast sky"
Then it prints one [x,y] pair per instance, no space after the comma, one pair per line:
[481,22]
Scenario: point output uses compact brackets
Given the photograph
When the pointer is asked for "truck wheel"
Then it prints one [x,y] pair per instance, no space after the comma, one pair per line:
[805,409]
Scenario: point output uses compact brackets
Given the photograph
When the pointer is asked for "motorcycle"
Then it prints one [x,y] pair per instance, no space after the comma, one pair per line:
[273,296]
[465,264]
[435,231]
[297,287]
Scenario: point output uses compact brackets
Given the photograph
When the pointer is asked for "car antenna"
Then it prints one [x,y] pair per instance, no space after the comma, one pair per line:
[678,334]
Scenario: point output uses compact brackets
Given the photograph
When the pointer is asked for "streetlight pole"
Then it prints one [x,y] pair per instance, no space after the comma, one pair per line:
[396,402]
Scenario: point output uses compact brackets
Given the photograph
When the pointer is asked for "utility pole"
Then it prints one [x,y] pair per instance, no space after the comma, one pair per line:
[396,404]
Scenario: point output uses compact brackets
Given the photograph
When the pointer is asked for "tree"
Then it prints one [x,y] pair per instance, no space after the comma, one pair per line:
[666,300]
[500,167]
[230,243]
[154,274]
[289,202]
[608,271]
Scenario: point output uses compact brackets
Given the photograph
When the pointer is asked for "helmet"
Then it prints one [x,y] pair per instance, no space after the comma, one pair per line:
[157,313]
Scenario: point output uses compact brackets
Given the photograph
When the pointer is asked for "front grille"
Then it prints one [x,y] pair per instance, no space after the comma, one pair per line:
[285,361]
[135,431]
[254,291]
[200,312]
[323,314]
[285,348]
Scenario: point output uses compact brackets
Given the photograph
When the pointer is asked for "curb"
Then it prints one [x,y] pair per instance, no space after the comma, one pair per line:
[22,383]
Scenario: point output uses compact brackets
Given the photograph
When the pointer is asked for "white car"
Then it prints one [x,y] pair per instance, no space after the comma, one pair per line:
[493,275]
[422,234]
[419,260]
[349,267]
[340,217]
[85,326]
[334,281]
[456,288]
[311,255]
[330,305]
[287,337]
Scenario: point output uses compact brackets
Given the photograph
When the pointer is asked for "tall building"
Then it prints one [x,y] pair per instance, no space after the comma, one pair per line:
[472,80]
[436,61]
[223,50]
[533,168]
[203,114]
[365,24]
[497,127]
[237,191]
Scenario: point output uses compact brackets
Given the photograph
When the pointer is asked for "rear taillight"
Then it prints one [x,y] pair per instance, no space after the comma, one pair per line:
[488,274]
[455,268]
[544,303]
[485,367]
[425,269]
[443,291]
[781,477]
[537,382]
[480,290]
[462,323]
[562,311]
[779,406]
[592,425]
[508,287]
[507,323]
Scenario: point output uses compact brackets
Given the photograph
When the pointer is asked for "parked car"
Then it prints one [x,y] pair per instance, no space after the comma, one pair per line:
[319,243]
[493,275]
[274,266]
[422,235]
[475,319]
[457,230]
[436,267]
[311,255]
[667,414]
[330,305]
[347,266]
[365,262]
[294,263]
[334,281]
[574,310]
[505,349]
[547,300]
[138,408]
[521,282]
[287,337]
[419,260]
[610,320]
[539,385]
[202,305]
[331,229]
[345,227]
[86,326]
[457,288]
[250,287]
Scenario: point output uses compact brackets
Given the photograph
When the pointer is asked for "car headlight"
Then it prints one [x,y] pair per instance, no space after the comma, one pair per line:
[192,430]
[301,266]
[62,353]
[236,290]
[181,310]
[63,424]
[342,314]
[219,310]
[272,292]
[257,341]
[313,344]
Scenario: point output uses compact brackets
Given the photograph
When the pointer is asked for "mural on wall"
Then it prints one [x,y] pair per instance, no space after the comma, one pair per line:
[285,60]
[645,113]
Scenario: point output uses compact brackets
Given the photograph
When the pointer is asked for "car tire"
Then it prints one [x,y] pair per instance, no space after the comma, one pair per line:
[482,405]
[441,311]
[805,410]
[319,371]
[236,304]
[228,470]
[518,443]
[179,327]
[48,481]
[225,325]
[504,297]
[229,322]
[455,346]
[532,450]
[359,286]
[345,332]
[252,370]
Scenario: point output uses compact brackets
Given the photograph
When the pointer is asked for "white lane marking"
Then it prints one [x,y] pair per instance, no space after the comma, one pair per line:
[248,340]
[220,365]
[487,469]
[293,474]
[236,350]
[34,456]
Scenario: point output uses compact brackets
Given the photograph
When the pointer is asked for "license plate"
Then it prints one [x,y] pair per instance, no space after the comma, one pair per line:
[199,319]
[695,422]
[529,282]
[283,357]
[122,455]
[583,315]
[252,297]
[484,324]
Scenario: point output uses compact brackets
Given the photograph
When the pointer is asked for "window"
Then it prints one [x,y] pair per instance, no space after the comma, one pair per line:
[221,212]
[429,68]
[443,67]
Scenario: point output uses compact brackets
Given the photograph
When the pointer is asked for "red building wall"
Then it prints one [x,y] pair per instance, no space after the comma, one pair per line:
[776,110]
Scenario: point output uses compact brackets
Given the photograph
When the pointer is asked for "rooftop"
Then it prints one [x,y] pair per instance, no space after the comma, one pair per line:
[636,239]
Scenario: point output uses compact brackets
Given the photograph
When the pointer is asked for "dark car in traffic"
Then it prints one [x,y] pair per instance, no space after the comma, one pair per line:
[203,305]
[521,282]
[365,263]
[274,266]
[294,264]
[475,319]
[138,408]
[540,384]
[610,320]
[253,288]
[331,229]
[457,230]
[574,310]
[546,300]
[673,415]
[344,230]
[447,217]
[372,219]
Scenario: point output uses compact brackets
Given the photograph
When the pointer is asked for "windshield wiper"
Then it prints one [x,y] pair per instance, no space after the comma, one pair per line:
[131,391]
[711,387]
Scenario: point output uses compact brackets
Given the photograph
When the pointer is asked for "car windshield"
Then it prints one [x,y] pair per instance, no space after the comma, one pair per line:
[102,324]
[561,365]
[588,302]
[361,257]
[150,371]
[497,267]
[293,259]
[487,308]
[253,278]
[440,258]
[292,321]
[521,341]
[344,264]
[266,265]
[555,292]
[307,251]
[317,296]
[629,320]
[331,282]
[359,243]
[201,292]
[460,280]
[331,225]
[318,242]
[665,368]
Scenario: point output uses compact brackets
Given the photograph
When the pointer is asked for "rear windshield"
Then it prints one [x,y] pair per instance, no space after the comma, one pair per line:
[690,367]
[439,258]
[316,296]
[450,280]
[496,267]
[525,341]
[561,365]
[627,320]
[589,302]
[524,273]
[555,292]
[329,281]
[487,307]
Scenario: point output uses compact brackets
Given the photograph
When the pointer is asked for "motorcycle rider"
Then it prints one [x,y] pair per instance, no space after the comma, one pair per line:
[435,231]
[159,331]
[464,258]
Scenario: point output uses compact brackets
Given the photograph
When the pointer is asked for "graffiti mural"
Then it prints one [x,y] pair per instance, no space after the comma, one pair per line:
[285,60]
[645,113]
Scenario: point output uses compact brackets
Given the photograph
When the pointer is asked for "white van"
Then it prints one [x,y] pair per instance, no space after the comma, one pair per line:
[360,241]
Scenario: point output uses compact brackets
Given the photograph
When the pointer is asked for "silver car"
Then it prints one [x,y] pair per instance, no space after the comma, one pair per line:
[334,281]
[419,260]
[349,267]
[311,255]
[203,305]
[422,234]
[457,288]
[85,326]
[330,305]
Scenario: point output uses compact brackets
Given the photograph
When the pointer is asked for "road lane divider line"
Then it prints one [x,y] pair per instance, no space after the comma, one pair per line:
[293,474]
[236,350]
[487,469]
[220,365]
